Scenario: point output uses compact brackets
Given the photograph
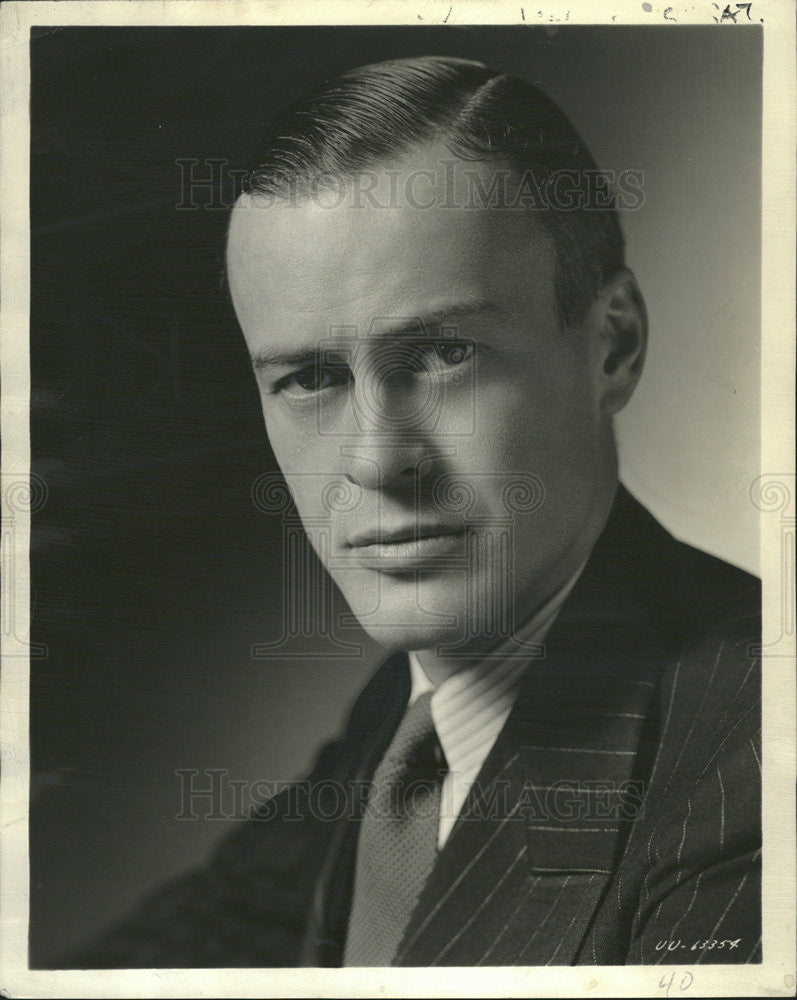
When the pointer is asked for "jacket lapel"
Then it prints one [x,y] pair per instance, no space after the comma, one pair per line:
[531,854]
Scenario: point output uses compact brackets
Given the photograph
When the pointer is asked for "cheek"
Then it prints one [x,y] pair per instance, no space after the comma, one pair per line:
[541,429]
[295,441]
[299,462]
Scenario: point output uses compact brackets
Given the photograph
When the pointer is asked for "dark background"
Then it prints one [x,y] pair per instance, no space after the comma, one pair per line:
[153,570]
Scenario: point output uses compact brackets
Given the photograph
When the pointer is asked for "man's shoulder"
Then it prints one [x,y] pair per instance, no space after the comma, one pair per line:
[676,580]
[709,694]
[713,611]
[704,582]
[688,621]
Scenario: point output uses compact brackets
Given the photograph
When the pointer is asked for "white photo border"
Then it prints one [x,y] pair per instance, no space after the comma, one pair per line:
[776,975]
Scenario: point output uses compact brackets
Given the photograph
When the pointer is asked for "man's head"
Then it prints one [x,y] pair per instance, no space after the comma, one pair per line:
[441,337]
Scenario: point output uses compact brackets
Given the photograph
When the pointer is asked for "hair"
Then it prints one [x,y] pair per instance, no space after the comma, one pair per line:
[369,115]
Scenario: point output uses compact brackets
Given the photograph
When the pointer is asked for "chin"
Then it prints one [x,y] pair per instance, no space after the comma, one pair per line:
[403,614]
[403,636]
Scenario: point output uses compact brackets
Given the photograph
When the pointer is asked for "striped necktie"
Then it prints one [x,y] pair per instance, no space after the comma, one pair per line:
[397,845]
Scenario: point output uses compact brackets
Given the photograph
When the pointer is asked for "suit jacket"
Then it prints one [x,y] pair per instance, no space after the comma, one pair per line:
[616,820]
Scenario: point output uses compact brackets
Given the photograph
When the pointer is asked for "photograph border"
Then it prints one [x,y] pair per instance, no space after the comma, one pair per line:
[775,976]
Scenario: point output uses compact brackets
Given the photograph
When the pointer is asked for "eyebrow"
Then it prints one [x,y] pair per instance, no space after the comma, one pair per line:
[267,357]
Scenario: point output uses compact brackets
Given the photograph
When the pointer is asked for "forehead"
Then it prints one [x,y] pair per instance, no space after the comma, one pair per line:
[392,242]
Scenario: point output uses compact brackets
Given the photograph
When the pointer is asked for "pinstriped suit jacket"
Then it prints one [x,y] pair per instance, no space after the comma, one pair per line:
[616,820]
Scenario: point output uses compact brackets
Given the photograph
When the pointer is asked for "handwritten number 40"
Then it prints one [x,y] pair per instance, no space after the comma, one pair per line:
[685,982]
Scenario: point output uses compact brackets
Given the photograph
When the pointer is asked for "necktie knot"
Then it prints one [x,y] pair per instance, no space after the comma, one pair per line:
[415,746]
[406,783]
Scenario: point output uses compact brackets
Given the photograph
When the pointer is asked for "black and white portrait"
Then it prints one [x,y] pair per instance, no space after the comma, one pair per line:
[396,496]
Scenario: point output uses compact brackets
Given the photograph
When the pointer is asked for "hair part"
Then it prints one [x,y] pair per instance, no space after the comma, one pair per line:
[370,115]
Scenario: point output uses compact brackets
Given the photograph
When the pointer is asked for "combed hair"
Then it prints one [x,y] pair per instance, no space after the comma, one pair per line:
[370,115]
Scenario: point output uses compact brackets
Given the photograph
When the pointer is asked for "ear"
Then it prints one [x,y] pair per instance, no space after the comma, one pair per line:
[622,324]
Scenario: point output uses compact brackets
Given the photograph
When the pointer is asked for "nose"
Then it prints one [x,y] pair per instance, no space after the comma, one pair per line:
[391,445]
[382,464]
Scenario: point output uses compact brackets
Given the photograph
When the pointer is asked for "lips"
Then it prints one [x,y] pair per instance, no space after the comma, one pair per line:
[408,547]
[402,534]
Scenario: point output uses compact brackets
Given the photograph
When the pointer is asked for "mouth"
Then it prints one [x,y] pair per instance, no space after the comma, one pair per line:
[401,549]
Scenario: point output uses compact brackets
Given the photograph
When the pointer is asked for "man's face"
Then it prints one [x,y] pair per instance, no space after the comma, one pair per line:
[412,368]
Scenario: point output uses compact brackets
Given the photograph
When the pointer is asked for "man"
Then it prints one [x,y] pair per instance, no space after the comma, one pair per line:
[558,762]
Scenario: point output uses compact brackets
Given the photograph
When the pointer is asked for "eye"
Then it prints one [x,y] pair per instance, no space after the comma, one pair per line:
[439,355]
[454,352]
[312,379]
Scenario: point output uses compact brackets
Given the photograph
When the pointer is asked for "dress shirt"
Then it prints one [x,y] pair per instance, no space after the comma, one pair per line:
[470,707]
